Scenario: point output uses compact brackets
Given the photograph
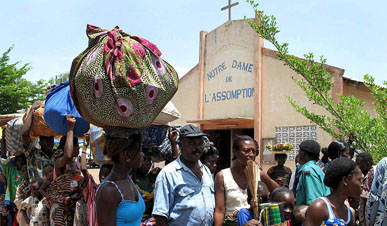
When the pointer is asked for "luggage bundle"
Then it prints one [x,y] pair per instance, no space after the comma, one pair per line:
[39,127]
[121,80]
[13,135]
[59,104]
[272,214]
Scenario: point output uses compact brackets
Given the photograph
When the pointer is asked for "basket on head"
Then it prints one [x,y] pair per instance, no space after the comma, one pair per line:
[120,80]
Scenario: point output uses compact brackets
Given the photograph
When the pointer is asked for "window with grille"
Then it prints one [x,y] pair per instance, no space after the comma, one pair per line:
[295,135]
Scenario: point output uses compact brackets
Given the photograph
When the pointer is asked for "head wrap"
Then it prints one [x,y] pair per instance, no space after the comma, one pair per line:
[112,132]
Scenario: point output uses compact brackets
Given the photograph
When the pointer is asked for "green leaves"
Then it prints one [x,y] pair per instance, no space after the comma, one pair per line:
[345,117]
[16,93]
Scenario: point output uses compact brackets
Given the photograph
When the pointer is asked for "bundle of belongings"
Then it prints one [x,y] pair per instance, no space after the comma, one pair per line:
[272,214]
[121,80]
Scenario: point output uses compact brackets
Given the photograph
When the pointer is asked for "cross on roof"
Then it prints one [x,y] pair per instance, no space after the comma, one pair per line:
[229,8]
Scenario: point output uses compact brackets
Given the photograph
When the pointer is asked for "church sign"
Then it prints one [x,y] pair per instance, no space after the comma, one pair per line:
[229,72]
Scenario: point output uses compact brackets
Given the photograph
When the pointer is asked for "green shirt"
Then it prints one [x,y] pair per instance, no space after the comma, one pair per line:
[311,184]
[14,177]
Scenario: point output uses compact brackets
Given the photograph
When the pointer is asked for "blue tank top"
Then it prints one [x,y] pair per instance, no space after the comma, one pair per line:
[332,220]
[128,213]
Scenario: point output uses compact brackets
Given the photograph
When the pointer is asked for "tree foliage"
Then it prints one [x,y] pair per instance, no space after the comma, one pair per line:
[57,79]
[17,93]
[348,118]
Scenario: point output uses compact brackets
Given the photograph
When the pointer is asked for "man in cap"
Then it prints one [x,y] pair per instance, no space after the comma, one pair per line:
[184,192]
[311,182]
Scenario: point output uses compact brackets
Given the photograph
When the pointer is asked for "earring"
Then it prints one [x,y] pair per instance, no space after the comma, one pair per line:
[345,184]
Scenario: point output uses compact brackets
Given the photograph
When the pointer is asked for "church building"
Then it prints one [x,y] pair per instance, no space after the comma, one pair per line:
[240,87]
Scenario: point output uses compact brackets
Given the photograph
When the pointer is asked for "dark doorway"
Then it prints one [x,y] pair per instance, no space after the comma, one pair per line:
[222,141]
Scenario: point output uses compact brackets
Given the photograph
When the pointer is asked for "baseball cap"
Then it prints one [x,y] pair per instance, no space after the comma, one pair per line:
[310,146]
[191,131]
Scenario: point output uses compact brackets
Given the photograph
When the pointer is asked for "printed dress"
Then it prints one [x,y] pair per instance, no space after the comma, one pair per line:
[62,213]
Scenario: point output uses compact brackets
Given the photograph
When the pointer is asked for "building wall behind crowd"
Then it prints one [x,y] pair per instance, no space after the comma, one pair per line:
[360,91]
[229,64]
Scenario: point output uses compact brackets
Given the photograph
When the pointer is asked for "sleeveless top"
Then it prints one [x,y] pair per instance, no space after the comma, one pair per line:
[332,220]
[235,197]
[128,213]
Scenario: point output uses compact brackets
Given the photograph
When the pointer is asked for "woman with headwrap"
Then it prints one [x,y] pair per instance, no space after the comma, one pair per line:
[118,202]
[344,178]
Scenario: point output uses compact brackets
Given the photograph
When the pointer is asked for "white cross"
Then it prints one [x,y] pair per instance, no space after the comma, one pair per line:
[229,8]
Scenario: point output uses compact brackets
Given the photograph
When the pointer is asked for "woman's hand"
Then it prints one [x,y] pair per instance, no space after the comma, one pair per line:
[36,105]
[86,139]
[70,121]
[172,134]
[253,222]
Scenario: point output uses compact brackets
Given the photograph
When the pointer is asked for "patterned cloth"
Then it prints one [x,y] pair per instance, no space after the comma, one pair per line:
[61,188]
[23,207]
[120,80]
[366,187]
[149,222]
[14,178]
[147,191]
[376,210]
[3,181]
[271,213]
[23,190]
[36,161]
[334,222]
[80,216]
[367,183]
[3,188]
[281,175]
[36,210]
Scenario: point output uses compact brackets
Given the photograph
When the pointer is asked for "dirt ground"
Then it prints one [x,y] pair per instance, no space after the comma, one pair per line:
[94,173]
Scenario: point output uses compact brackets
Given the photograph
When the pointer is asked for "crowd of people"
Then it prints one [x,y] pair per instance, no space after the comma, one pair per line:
[52,186]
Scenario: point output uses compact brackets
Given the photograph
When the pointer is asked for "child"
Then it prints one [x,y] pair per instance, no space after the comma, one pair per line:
[104,171]
[23,192]
[280,173]
[48,171]
[34,210]
[285,196]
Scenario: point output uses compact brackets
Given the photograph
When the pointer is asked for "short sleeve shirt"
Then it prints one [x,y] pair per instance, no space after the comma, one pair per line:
[36,161]
[182,198]
[311,184]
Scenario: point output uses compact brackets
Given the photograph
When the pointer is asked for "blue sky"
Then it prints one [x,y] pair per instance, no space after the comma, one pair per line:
[351,34]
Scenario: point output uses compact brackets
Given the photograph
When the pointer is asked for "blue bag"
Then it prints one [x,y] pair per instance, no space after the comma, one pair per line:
[59,104]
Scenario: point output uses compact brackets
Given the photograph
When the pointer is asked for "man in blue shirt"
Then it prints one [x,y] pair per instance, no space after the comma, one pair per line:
[184,192]
[311,182]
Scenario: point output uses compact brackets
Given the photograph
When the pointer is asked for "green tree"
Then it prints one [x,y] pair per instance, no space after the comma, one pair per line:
[16,93]
[57,79]
[347,117]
